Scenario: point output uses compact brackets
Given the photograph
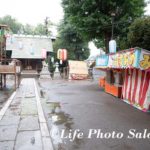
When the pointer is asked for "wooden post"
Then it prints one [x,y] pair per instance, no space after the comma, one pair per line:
[19,79]
[15,82]
[4,80]
[1,81]
[15,75]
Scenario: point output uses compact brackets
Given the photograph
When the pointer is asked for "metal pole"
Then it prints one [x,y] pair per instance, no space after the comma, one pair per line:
[112,33]
[112,30]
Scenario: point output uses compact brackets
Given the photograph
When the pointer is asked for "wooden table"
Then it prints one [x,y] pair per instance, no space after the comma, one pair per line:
[10,70]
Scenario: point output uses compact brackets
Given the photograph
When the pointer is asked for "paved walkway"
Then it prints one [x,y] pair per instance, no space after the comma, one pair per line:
[22,122]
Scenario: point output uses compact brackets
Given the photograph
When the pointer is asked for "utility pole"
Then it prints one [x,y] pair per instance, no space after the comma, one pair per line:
[46,25]
[112,30]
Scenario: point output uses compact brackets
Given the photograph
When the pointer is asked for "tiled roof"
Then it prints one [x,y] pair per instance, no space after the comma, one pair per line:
[28,46]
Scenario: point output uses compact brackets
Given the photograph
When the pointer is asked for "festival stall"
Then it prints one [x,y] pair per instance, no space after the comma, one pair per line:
[78,70]
[128,76]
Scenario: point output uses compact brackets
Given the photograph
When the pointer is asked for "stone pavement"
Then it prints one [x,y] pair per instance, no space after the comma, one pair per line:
[22,122]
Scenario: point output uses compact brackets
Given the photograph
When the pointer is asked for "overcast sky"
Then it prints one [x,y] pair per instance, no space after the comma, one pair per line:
[32,11]
[35,11]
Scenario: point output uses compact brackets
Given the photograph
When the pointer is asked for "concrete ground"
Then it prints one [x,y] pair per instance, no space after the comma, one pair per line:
[83,105]
[22,122]
[42,109]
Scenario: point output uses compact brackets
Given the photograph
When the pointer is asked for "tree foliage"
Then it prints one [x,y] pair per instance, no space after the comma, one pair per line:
[92,18]
[28,29]
[72,41]
[12,23]
[139,33]
[40,29]
[18,28]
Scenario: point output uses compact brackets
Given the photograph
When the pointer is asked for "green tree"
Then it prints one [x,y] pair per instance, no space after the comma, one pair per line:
[28,29]
[17,28]
[12,23]
[40,30]
[139,33]
[72,41]
[92,18]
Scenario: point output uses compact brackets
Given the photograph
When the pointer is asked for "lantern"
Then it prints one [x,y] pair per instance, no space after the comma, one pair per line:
[112,46]
[62,54]
[43,53]
[58,53]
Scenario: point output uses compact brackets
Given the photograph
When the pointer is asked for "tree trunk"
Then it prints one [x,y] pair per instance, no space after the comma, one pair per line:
[107,39]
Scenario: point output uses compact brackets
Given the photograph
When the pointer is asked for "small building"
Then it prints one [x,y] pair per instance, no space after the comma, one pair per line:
[29,49]
[127,76]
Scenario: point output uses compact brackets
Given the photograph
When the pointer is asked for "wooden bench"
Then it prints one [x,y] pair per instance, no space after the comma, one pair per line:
[13,68]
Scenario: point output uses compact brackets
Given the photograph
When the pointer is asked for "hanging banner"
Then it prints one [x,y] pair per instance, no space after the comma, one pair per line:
[132,58]
[102,60]
[144,62]
[128,59]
